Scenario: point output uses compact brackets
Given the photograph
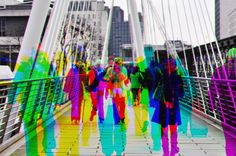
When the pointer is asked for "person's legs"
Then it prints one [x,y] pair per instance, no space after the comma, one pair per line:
[100,106]
[165,141]
[174,140]
[74,110]
[144,118]
[94,104]
[79,108]
[115,112]
[120,105]
[135,96]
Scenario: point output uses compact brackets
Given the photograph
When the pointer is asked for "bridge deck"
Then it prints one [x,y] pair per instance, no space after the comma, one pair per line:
[60,137]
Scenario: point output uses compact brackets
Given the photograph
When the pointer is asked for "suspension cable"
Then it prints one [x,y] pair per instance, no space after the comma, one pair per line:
[213,51]
[199,48]
[217,44]
[74,24]
[188,27]
[108,31]
[51,26]
[171,24]
[203,65]
[69,24]
[80,29]
[221,60]
[162,29]
[92,33]
[181,34]
[54,45]
[144,9]
[147,19]
[132,33]
[60,37]
[152,25]
[163,14]
[201,28]
[155,36]
[86,31]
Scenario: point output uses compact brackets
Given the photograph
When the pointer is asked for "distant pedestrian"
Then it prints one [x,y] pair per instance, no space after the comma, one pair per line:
[119,81]
[135,86]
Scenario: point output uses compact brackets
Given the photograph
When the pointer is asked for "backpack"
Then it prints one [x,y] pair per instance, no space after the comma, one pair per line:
[94,84]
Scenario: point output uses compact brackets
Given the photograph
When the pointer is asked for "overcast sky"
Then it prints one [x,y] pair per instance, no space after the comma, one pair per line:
[195,25]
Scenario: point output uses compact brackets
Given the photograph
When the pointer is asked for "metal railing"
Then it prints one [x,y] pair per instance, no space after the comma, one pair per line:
[28,102]
[211,97]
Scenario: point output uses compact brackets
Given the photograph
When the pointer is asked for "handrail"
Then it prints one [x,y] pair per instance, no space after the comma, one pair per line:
[7,81]
[220,107]
[26,101]
[211,79]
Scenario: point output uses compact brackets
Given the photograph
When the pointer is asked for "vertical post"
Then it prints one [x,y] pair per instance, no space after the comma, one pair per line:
[135,24]
[55,23]
[107,37]
[33,32]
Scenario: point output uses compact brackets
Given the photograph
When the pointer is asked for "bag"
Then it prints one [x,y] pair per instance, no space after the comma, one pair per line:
[94,84]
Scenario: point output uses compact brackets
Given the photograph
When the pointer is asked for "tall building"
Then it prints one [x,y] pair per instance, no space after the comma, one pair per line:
[232,22]
[120,32]
[225,18]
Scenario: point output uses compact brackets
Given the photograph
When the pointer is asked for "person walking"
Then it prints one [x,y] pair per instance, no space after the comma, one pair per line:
[222,93]
[169,116]
[119,81]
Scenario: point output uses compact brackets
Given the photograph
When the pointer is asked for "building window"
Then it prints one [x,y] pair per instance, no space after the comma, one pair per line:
[2,26]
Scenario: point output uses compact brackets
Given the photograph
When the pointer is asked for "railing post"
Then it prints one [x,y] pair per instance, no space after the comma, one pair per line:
[50,96]
[24,100]
[37,102]
[46,90]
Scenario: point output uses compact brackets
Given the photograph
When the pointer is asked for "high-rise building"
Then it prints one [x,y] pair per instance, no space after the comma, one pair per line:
[120,32]
[225,18]
[232,22]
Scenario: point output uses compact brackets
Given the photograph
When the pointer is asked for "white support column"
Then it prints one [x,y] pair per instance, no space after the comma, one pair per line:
[33,32]
[55,23]
[107,37]
[138,40]
[51,35]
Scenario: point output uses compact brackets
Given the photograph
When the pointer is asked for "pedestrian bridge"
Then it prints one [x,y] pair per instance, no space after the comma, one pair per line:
[52,132]
[35,110]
